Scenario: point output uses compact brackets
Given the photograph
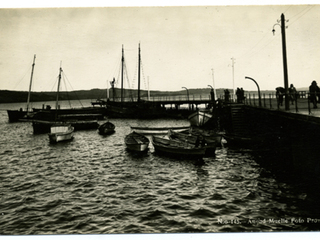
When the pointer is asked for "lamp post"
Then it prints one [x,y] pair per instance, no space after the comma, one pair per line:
[212,96]
[212,93]
[187,96]
[258,89]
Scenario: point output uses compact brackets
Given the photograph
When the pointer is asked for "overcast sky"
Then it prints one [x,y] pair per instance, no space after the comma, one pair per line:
[185,46]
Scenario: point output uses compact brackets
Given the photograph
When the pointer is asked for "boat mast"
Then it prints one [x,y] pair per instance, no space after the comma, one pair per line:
[28,101]
[139,61]
[57,100]
[122,63]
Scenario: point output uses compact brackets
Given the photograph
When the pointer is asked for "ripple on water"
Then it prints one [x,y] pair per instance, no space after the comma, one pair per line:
[94,185]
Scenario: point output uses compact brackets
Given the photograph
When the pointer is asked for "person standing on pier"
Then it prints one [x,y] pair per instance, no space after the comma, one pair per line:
[314,92]
[242,95]
[279,94]
[238,93]
[293,93]
[226,95]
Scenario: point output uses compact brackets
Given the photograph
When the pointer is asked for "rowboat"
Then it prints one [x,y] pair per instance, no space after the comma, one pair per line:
[209,135]
[198,140]
[177,148]
[199,118]
[158,130]
[59,133]
[106,128]
[136,142]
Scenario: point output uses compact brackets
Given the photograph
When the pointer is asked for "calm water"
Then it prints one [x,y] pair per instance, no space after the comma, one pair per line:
[93,185]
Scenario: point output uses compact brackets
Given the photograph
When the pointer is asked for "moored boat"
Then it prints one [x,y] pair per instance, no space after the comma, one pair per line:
[178,149]
[209,135]
[138,108]
[106,128]
[199,118]
[158,130]
[41,126]
[61,132]
[16,115]
[197,140]
[136,142]
[43,120]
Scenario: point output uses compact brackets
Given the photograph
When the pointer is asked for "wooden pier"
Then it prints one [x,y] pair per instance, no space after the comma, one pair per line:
[293,135]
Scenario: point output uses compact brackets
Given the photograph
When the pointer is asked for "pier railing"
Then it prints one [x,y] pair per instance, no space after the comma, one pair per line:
[299,103]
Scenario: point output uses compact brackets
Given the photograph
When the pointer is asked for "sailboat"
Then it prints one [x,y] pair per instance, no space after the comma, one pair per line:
[60,131]
[78,118]
[16,115]
[132,109]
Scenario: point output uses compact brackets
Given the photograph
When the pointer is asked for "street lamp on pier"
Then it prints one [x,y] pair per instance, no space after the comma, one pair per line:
[212,96]
[258,89]
[187,96]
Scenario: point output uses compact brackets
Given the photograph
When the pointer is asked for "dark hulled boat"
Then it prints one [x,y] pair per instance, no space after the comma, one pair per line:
[133,109]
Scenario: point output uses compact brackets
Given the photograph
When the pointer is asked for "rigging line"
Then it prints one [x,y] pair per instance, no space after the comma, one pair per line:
[77,97]
[65,85]
[118,75]
[128,82]
[28,70]
[144,77]
[135,74]
[142,73]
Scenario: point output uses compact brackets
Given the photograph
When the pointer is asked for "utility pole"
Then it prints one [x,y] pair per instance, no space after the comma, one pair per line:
[284,56]
[122,64]
[285,68]
[214,86]
[233,75]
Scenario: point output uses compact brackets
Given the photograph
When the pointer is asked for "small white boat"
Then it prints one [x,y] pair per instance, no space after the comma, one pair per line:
[59,133]
[199,118]
[158,130]
[136,142]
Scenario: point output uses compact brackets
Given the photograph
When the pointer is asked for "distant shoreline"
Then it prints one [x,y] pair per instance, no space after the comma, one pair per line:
[9,96]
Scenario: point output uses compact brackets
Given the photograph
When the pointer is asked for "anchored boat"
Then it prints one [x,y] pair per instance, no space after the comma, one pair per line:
[106,128]
[158,130]
[199,118]
[60,131]
[176,148]
[136,142]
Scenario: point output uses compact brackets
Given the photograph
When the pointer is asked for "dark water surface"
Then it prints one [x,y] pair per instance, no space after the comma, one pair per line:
[93,185]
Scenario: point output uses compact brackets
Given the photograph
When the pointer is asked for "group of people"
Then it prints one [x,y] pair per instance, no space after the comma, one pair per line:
[293,94]
[240,95]
[314,92]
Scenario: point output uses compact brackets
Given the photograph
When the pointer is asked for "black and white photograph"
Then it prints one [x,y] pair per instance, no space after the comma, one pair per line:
[176,120]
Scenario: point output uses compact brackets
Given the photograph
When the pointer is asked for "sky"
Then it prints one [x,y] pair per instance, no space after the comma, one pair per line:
[182,45]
